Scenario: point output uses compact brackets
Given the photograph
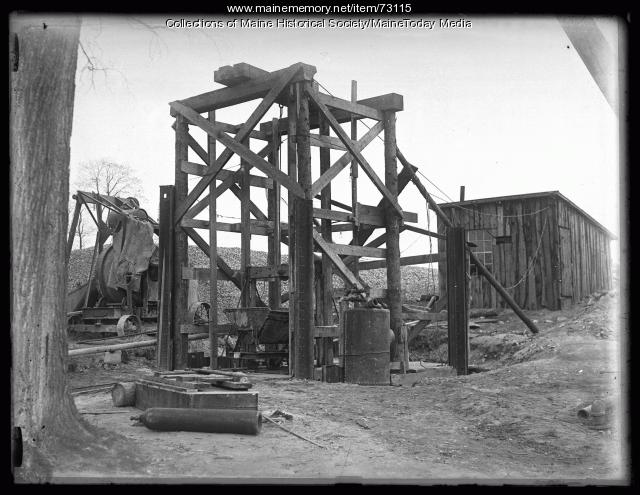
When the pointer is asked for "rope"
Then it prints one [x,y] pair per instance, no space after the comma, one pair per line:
[535,256]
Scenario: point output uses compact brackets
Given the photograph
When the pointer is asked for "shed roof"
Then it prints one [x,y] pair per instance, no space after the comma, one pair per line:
[516,197]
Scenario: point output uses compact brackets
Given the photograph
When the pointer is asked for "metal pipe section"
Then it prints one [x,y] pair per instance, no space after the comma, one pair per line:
[128,345]
[245,422]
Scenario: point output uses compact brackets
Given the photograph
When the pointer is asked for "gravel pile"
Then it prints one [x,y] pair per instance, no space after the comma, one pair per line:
[415,280]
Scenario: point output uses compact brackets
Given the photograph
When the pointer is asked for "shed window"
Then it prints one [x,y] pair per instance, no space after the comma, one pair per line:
[483,250]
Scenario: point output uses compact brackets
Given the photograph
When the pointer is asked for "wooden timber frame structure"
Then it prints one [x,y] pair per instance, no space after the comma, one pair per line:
[308,230]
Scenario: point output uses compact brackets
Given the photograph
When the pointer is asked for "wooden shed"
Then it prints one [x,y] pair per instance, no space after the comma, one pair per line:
[546,251]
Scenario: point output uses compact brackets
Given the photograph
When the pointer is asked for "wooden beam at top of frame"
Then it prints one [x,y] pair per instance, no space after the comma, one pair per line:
[242,72]
[250,90]
[356,109]
[275,89]
[392,199]
[201,170]
[391,101]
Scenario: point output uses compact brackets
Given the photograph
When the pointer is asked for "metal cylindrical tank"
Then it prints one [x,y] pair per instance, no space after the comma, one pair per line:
[366,346]
[245,422]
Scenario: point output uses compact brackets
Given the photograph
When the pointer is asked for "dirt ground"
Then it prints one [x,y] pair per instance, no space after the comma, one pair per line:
[514,422]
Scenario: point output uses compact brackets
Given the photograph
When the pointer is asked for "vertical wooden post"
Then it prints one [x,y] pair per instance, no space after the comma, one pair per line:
[72,228]
[292,170]
[180,253]
[394,289]
[164,349]
[354,179]
[245,236]
[461,193]
[304,262]
[274,257]
[327,266]
[213,256]
[457,299]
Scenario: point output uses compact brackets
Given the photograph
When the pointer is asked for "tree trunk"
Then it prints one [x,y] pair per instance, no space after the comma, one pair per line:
[42,94]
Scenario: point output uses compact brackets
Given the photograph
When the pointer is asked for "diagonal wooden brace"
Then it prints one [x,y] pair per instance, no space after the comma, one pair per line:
[356,154]
[335,259]
[233,146]
[345,159]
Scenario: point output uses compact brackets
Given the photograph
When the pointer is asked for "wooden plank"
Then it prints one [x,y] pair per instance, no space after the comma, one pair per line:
[333,202]
[394,278]
[201,170]
[329,142]
[304,232]
[334,215]
[426,232]
[164,347]
[245,233]
[277,271]
[72,228]
[292,171]
[354,182]
[404,178]
[374,215]
[195,146]
[256,227]
[197,273]
[224,329]
[350,107]
[274,256]
[356,153]
[405,261]
[253,208]
[349,250]
[345,272]
[458,314]
[213,256]
[326,296]
[344,160]
[251,90]
[341,227]
[327,248]
[238,73]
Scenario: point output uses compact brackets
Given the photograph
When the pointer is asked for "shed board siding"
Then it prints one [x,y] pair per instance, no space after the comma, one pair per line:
[556,257]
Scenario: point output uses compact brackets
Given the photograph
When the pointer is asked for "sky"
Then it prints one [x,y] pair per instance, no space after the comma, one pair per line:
[503,107]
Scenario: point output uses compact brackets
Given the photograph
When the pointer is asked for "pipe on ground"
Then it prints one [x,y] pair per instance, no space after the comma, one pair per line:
[245,422]
[128,345]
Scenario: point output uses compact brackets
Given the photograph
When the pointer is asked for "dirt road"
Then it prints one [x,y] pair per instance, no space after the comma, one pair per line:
[516,422]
